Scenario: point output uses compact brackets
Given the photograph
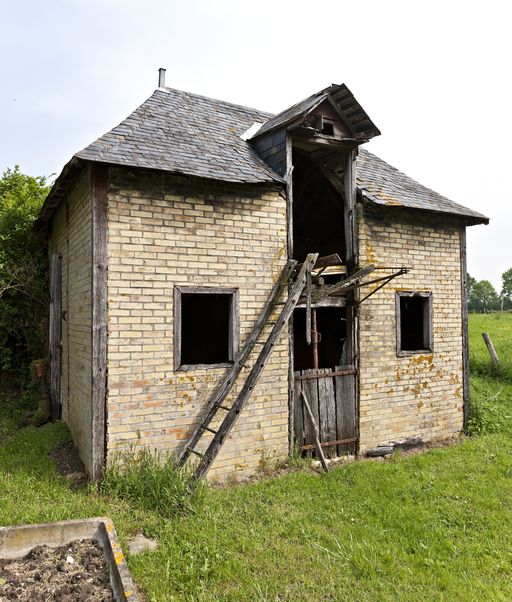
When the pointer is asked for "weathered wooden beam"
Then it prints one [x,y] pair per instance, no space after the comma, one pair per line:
[308,308]
[464,319]
[345,372]
[318,445]
[349,209]
[289,245]
[490,348]
[99,197]
[54,338]
[349,283]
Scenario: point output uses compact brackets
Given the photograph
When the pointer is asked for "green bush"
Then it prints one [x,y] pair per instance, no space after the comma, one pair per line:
[152,481]
[23,271]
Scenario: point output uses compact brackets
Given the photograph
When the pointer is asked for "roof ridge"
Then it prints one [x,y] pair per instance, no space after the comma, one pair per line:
[216,100]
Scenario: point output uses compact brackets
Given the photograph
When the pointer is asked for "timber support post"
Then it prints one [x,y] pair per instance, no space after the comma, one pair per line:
[490,348]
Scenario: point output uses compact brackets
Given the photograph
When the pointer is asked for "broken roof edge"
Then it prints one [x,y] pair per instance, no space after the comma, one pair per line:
[472,218]
[301,109]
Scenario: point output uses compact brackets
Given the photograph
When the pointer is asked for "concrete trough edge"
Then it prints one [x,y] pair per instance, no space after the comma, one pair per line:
[16,542]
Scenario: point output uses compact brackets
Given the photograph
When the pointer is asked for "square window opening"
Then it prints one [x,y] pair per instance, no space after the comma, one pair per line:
[414,317]
[205,328]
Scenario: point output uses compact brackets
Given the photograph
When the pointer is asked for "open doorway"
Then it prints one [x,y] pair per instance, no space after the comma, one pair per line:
[324,370]
[329,337]
[317,210]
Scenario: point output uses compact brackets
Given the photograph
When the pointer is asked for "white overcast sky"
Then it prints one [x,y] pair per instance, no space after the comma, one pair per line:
[435,77]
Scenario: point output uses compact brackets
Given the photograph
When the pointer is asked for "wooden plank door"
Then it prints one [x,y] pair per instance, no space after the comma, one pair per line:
[54,338]
[332,397]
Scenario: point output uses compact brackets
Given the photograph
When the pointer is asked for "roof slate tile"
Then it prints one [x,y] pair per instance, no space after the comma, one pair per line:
[194,135]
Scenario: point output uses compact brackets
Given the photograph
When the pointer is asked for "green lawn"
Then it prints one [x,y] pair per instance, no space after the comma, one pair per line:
[435,526]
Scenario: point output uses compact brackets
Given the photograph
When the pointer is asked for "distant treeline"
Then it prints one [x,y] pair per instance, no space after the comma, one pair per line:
[483,297]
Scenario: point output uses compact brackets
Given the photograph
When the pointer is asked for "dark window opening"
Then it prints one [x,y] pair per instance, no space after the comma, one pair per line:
[328,129]
[332,330]
[205,327]
[414,319]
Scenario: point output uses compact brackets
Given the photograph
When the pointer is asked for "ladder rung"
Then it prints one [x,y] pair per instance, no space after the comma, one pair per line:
[195,452]
[223,407]
[207,428]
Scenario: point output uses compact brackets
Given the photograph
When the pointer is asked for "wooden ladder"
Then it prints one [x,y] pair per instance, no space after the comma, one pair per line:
[216,403]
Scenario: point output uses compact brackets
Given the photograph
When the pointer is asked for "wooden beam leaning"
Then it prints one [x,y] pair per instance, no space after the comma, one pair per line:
[250,383]
[99,197]
[318,445]
[229,380]
[490,348]
[336,289]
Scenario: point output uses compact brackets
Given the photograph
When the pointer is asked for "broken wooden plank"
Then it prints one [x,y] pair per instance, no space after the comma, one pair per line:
[341,287]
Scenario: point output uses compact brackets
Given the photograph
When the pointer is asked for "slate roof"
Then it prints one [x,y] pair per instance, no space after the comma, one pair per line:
[383,184]
[185,133]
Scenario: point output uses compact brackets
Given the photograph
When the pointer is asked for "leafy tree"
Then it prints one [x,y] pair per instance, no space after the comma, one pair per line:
[23,270]
[506,289]
[484,297]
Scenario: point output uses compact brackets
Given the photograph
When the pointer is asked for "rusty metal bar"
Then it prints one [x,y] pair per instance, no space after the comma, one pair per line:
[331,443]
[315,338]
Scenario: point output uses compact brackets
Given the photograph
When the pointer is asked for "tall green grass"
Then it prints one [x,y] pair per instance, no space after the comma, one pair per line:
[151,480]
[491,386]
[435,527]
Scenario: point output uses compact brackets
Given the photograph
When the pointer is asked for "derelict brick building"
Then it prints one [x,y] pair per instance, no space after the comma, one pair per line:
[167,237]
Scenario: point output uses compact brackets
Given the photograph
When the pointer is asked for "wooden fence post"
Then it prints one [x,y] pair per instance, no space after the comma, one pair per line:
[490,348]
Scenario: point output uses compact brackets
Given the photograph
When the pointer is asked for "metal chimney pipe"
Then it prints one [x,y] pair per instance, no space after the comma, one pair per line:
[161,77]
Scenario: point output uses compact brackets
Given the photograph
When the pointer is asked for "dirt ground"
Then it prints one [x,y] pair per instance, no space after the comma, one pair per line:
[68,464]
[73,573]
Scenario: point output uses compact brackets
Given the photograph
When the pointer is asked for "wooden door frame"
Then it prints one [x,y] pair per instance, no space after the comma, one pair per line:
[352,260]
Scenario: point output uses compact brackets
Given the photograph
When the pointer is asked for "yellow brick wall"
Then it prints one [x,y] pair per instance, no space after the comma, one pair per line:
[166,231]
[419,395]
[74,244]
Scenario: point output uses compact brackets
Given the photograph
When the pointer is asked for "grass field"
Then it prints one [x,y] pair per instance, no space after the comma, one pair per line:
[435,526]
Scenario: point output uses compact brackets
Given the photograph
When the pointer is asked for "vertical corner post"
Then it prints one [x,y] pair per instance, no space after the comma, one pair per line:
[99,194]
[289,246]
[464,319]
